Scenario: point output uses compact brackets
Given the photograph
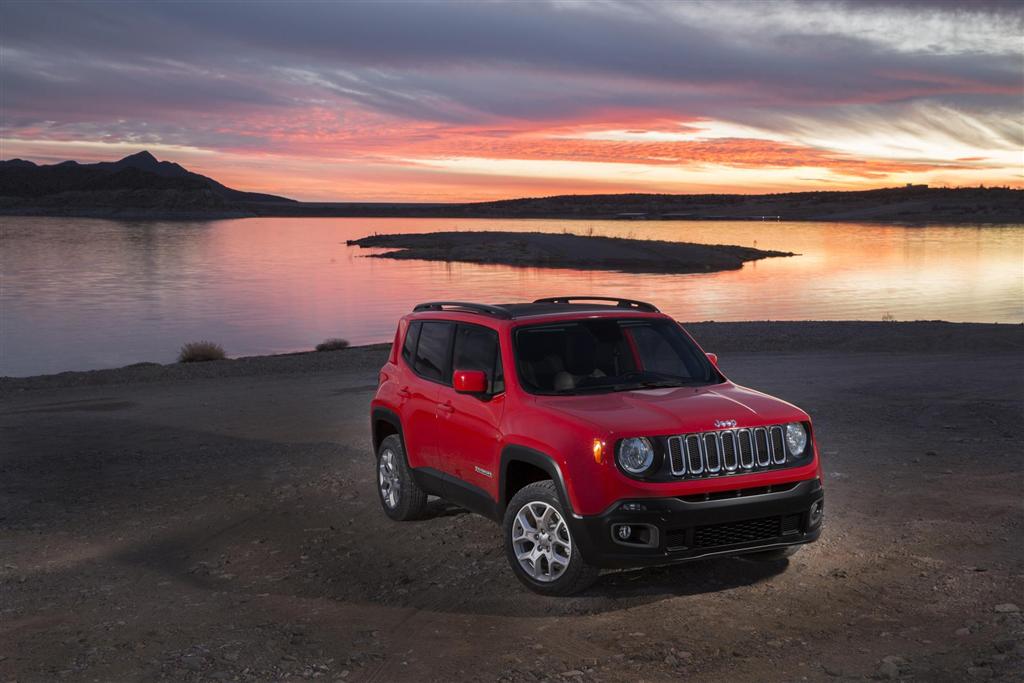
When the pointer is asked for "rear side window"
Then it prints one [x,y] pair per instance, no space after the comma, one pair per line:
[409,347]
[476,348]
[433,351]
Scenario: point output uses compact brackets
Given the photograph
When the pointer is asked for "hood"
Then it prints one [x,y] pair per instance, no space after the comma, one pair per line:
[676,410]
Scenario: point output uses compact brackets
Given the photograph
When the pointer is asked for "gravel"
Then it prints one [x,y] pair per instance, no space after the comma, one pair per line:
[210,521]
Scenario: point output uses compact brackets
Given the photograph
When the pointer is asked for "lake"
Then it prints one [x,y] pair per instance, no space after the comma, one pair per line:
[87,293]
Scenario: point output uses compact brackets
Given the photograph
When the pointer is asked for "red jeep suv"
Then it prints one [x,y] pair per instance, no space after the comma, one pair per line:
[596,432]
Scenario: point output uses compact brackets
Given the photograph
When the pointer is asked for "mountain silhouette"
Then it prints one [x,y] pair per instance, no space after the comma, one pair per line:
[138,183]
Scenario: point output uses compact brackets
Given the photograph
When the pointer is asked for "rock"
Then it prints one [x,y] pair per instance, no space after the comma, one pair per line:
[888,670]
[232,655]
[1006,608]
[891,666]
[833,670]
[979,672]
[192,662]
[574,673]
[1004,644]
[963,631]
[670,660]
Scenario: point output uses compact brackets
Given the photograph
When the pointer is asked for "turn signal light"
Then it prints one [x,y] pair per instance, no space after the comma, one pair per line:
[598,451]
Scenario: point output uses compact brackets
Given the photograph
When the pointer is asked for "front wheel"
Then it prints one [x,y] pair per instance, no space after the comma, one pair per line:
[539,543]
[400,496]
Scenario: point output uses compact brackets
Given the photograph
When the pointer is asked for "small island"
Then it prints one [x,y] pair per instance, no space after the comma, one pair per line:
[565,250]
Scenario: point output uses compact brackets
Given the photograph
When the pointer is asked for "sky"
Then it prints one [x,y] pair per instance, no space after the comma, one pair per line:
[466,101]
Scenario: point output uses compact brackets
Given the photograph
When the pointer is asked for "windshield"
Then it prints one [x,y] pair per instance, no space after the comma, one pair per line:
[601,355]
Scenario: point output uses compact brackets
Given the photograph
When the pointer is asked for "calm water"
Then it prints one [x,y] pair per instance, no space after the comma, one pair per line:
[83,293]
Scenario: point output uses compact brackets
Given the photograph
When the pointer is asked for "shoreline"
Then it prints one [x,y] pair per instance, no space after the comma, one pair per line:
[808,336]
[142,215]
[912,205]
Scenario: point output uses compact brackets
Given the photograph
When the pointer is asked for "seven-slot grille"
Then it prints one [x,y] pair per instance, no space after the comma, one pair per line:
[729,451]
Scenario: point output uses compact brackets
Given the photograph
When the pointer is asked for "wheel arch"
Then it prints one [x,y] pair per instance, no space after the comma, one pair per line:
[517,465]
[383,423]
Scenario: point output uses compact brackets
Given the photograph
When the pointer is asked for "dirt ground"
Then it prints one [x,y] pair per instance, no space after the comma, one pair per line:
[200,526]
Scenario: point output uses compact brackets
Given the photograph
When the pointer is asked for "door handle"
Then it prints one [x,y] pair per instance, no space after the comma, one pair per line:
[446,407]
[404,392]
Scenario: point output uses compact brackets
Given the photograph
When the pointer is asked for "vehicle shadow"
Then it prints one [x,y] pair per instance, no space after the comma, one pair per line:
[438,508]
[691,578]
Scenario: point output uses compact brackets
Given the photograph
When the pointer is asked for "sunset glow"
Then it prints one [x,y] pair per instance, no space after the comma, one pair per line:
[455,102]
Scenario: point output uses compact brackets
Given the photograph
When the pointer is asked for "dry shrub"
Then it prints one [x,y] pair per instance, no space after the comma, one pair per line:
[197,352]
[333,344]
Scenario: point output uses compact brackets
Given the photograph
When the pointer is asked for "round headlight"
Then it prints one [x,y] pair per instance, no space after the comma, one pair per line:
[796,439]
[636,455]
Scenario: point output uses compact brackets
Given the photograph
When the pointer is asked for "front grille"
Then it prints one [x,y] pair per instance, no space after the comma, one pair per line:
[737,532]
[765,529]
[730,451]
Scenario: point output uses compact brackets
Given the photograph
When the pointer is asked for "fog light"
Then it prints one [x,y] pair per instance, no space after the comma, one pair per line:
[817,510]
[624,532]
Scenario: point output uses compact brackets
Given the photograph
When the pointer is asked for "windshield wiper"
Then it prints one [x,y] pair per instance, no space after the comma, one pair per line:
[628,386]
[665,383]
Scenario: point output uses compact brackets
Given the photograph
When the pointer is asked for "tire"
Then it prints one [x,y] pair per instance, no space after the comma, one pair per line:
[537,506]
[773,555]
[402,499]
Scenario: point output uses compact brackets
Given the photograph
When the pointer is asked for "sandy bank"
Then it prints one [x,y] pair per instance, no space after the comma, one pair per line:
[553,250]
[737,337]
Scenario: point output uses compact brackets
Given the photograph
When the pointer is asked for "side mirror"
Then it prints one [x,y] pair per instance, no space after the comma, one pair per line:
[470,381]
[713,357]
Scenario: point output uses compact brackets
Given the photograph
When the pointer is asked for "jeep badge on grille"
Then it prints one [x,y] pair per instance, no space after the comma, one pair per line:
[725,424]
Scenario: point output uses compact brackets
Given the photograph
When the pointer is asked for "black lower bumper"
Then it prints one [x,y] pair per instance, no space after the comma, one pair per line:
[668,530]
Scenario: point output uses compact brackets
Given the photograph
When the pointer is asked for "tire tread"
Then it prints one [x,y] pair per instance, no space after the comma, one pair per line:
[412,501]
[578,575]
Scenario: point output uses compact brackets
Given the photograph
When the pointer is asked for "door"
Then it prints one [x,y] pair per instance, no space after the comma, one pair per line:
[469,435]
[427,367]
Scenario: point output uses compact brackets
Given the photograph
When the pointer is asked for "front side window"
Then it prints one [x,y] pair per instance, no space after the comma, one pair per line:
[476,348]
[433,352]
[602,355]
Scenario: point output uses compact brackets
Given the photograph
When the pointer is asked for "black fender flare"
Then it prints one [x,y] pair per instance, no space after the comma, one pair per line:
[543,461]
[380,414]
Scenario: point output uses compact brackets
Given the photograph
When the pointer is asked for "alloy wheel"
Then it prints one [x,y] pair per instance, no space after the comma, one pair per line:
[388,478]
[541,540]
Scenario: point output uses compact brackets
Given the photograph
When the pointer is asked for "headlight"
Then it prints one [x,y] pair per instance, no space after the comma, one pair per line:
[636,455]
[796,439]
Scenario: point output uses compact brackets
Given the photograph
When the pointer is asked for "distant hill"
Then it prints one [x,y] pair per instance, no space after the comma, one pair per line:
[138,184]
[909,205]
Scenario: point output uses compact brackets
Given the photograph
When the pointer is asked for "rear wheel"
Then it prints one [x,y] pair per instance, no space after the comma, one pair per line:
[539,543]
[400,496]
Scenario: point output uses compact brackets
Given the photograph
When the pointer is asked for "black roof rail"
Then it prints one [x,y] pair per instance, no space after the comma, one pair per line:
[463,307]
[621,303]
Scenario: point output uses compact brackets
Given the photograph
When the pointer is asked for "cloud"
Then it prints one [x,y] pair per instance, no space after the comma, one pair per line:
[393,80]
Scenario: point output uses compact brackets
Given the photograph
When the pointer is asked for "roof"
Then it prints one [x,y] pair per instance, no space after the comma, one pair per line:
[548,306]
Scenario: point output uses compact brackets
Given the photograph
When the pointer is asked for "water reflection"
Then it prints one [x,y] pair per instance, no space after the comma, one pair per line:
[80,293]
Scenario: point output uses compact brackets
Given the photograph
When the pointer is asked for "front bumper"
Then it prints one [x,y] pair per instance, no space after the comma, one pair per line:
[669,530]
